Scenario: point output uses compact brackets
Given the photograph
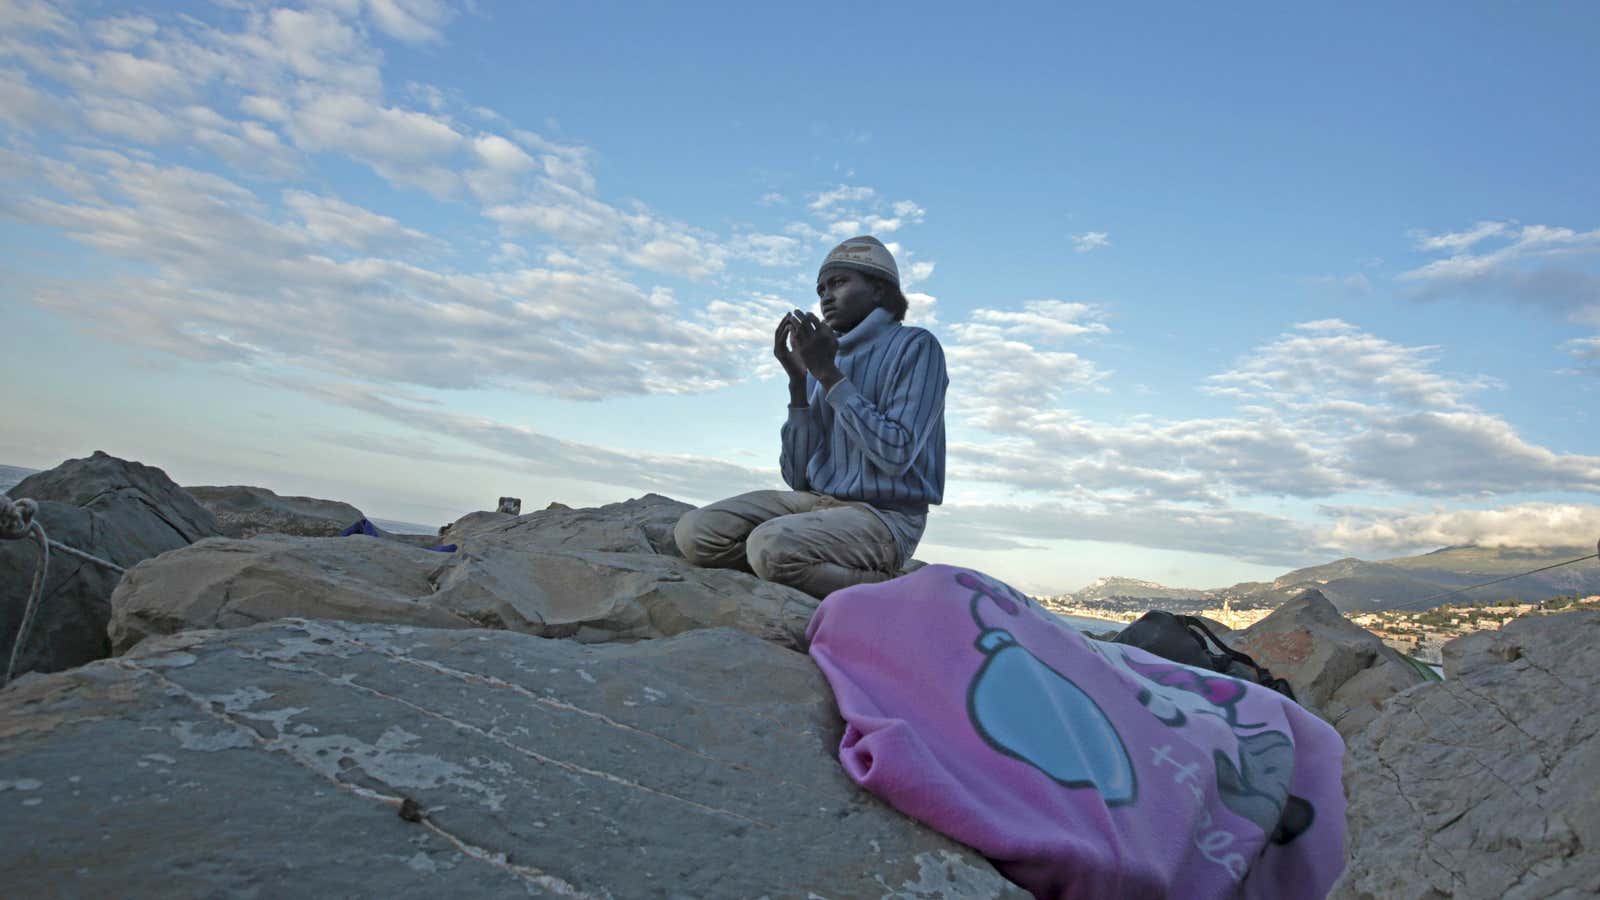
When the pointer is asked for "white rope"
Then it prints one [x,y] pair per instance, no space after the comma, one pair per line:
[16,523]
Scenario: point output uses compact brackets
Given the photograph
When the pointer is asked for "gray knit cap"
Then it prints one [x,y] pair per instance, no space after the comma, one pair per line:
[864,254]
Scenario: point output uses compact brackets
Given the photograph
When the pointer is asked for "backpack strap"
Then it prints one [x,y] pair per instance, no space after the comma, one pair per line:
[1262,675]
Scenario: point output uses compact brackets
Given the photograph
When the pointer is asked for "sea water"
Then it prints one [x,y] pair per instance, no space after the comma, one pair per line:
[10,475]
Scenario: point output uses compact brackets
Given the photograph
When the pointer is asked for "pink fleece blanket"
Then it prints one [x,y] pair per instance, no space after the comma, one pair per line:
[1080,768]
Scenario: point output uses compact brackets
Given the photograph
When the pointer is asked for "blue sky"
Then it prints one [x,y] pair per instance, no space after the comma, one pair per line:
[1223,292]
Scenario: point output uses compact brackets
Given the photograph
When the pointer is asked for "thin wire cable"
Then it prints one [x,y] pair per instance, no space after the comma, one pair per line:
[1418,604]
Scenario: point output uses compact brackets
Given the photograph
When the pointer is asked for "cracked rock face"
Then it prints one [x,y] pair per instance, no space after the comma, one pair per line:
[1338,670]
[248,511]
[553,573]
[117,510]
[1488,783]
[334,759]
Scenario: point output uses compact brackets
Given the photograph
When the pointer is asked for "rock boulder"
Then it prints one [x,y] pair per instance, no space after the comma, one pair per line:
[337,759]
[641,525]
[248,511]
[501,582]
[1486,784]
[117,510]
[226,583]
[1338,669]
[590,574]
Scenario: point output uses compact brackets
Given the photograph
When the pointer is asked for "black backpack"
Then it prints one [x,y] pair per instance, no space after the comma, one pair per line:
[1187,640]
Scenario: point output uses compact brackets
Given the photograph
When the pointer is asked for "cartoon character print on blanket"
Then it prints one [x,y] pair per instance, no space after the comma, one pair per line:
[1007,699]
[1011,691]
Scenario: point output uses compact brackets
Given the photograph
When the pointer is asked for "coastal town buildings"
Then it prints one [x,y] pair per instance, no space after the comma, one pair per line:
[1415,632]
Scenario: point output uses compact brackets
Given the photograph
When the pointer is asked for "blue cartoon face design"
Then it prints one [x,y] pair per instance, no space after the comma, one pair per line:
[1029,711]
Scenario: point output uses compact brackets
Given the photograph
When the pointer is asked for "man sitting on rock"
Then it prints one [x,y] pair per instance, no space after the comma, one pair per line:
[863,448]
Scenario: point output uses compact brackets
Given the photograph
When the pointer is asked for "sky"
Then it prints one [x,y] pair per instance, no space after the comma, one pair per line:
[1223,291]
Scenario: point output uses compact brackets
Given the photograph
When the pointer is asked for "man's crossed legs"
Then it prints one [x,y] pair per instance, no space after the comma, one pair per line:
[802,539]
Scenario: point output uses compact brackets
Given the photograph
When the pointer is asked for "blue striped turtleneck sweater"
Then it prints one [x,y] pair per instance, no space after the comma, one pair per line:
[878,435]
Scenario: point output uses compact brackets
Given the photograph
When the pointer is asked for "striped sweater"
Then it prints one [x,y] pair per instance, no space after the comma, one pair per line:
[878,435]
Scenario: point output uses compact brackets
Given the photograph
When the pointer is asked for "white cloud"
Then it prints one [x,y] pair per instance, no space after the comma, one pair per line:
[1091,240]
[1587,353]
[269,108]
[841,194]
[132,119]
[138,77]
[1462,240]
[501,155]
[18,16]
[221,262]
[922,309]
[692,478]
[1331,361]
[1461,454]
[1043,319]
[333,221]
[1542,265]
[775,250]
[21,106]
[1521,526]
[915,272]
[124,32]
[1002,370]
[1323,410]
[1240,534]
[405,146]
[412,21]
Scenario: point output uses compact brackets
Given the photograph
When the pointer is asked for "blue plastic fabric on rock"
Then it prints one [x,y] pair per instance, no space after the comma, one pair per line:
[363,526]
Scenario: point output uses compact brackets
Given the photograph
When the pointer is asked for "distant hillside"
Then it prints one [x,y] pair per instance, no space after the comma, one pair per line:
[1103,588]
[1355,585]
[1416,581]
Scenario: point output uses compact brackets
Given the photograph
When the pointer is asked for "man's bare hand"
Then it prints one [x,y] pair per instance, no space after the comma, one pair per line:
[816,345]
[786,355]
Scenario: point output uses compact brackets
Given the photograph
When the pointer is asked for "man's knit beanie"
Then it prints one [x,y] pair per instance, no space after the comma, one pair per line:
[864,254]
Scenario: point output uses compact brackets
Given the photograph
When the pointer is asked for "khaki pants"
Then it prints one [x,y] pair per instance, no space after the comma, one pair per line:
[801,539]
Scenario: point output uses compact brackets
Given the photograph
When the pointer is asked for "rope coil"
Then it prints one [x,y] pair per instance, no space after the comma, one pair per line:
[17,522]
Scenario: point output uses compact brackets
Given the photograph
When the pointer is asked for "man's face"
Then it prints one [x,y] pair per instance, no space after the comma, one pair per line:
[846,297]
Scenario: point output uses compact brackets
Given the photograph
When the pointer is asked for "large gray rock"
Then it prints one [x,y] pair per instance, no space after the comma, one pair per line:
[1338,669]
[334,759]
[1488,783]
[227,583]
[499,580]
[248,511]
[123,493]
[641,525]
[117,510]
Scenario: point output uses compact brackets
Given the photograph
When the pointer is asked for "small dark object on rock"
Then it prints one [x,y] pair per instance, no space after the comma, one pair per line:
[512,505]
[411,810]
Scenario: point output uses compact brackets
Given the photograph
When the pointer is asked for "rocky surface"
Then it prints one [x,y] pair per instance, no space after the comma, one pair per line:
[227,583]
[641,525]
[1338,669]
[117,510]
[248,511]
[338,759]
[589,574]
[1488,783]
